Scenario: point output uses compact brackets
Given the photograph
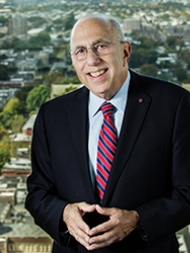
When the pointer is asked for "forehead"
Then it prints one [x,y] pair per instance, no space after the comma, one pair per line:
[90,30]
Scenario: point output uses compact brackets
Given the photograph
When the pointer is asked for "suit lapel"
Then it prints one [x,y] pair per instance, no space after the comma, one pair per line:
[135,114]
[78,118]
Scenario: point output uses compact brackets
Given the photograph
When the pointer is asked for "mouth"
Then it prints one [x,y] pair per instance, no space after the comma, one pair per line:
[98,73]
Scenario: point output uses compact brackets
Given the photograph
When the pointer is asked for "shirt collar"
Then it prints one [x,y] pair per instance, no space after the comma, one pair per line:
[119,100]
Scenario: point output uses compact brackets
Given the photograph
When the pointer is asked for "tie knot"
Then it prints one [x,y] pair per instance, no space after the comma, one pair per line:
[107,109]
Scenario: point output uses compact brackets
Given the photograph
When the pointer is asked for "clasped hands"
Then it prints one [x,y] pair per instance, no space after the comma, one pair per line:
[119,225]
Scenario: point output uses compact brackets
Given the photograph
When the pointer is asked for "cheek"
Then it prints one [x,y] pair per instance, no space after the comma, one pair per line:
[77,67]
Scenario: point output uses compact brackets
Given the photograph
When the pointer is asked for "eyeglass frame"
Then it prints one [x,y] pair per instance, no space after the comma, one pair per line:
[94,49]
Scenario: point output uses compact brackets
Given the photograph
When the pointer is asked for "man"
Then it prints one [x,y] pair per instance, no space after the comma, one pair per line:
[146,198]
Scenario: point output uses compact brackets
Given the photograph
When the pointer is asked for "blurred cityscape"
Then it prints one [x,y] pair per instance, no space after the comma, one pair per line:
[35,66]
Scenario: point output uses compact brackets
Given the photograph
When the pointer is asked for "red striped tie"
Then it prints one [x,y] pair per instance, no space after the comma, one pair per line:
[107,144]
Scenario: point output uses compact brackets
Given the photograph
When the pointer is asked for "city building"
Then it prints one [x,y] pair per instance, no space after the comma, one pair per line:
[17,25]
[132,24]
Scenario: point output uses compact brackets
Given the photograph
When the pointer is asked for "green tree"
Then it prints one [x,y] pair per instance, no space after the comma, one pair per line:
[142,56]
[4,153]
[188,64]
[71,80]
[42,39]
[173,42]
[12,115]
[17,123]
[184,54]
[3,20]
[147,42]
[22,94]
[4,73]
[6,119]
[14,106]
[53,77]
[149,70]
[181,74]
[37,96]
[18,44]
[69,21]
[36,21]
[2,57]
[3,132]
[69,89]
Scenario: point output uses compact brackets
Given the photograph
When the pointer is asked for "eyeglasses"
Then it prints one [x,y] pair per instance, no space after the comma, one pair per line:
[101,48]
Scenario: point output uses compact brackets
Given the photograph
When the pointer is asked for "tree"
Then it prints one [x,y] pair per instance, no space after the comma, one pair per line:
[36,21]
[173,42]
[147,42]
[184,55]
[181,74]
[17,123]
[6,119]
[149,70]
[42,39]
[2,57]
[4,153]
[71,80]
[3,20]
[14,106]
[142,56]
[4,73]
[188,64]
[37,96]
[69,21]
[53,77]
[69,89]
[22,94]
[3,132]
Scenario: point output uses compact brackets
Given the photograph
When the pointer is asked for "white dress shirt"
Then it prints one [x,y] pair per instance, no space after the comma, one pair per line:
[96,119]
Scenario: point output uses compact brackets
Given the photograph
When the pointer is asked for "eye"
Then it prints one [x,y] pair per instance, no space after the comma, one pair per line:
[101,46]
[80,51]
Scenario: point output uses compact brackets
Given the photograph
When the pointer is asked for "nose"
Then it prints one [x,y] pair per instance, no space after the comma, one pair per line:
[92,58]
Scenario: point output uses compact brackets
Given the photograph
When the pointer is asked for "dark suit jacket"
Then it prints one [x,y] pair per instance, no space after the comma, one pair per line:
[151,170]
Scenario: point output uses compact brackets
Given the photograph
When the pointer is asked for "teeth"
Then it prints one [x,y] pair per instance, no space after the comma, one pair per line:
[97,73]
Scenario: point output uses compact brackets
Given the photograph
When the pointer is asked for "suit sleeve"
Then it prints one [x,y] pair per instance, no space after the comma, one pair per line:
[168,214]
[42,200]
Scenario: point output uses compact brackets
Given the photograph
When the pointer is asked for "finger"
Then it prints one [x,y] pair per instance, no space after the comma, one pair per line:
[79,224]
[80,236]
[101,241]
[100,229]
[87,208]
[107,238]
[104,210]
[79,230]
[73,218]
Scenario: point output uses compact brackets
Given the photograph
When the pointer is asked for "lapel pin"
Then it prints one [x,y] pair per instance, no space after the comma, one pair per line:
[141,100]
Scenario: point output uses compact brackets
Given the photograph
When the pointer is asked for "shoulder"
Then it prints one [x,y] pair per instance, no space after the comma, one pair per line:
[152,85]
[64,101]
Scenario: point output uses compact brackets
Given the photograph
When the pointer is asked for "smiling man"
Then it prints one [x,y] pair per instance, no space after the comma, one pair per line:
[110,160]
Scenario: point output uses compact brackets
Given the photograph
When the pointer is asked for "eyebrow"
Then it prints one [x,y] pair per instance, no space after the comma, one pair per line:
[99,41]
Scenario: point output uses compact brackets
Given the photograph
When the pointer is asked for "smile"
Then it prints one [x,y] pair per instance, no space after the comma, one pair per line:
[98,73]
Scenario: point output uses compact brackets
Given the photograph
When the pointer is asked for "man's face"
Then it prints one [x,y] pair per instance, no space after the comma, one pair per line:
[104,74]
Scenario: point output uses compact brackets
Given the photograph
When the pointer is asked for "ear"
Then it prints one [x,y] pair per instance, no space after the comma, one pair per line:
[127,52]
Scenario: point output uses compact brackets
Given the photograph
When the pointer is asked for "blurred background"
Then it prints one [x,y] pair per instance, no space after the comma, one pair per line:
[35,66]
